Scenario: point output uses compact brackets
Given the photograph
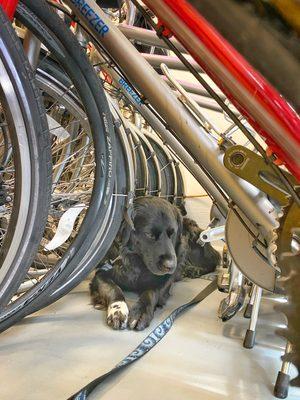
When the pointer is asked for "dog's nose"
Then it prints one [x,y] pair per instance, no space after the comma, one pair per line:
[167,264]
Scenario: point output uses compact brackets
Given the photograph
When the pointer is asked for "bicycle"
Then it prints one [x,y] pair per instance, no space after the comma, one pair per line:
[252,211]
[277,117]
[25,164]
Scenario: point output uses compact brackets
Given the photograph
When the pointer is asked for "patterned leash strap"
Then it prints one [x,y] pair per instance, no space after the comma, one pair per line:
[147,344]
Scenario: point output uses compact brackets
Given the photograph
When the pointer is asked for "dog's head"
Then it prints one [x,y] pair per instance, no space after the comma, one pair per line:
[155,234]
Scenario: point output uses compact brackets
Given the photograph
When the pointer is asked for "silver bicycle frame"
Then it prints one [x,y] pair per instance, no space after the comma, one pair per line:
[201,146]
[167,137]
[147,37]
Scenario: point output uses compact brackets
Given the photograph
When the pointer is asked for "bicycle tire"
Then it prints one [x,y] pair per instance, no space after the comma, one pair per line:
[34,139]
[167,168]
[141,170]
[92,251]
[88,86]
[124,188]
[154,186]
[125,182]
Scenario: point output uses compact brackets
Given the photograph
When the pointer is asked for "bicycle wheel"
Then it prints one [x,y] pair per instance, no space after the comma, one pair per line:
[73,168]
[67,52]
[25,181]
[154,186]
[141,170]
[167,167]
[122,197]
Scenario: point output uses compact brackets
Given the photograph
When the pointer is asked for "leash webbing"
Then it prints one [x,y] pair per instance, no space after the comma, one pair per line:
[147,344]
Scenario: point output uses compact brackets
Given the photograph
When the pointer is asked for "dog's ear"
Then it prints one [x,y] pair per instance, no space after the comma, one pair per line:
[180,244]
[127,231]
[181,252]
[182,209]
[131,218]
[179,221]
[191,230]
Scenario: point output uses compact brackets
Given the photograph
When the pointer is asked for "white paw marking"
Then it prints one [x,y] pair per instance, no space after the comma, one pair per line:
[117,315]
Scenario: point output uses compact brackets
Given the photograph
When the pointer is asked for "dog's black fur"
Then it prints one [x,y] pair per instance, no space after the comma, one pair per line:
[200,259]
[153,255]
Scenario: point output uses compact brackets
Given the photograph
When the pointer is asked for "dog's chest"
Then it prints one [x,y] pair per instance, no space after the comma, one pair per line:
[136,277]
[141,279]
[147,280]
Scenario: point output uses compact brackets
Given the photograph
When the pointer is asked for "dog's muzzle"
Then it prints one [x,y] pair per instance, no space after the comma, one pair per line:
[167,264]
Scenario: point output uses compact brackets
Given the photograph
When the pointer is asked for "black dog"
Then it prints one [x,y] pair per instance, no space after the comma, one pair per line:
[200,259]
[153,252]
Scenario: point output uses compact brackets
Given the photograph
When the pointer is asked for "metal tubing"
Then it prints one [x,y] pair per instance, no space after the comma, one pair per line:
[200,96]
[186,99]
[155,60]
[209,104]
[252,296]
[138,120]
[32,47]
[213,234]
[148,37]
[206,151]
[195,88]
[255,310]
[285,367]
[171,140]
[236,277]
[131,12]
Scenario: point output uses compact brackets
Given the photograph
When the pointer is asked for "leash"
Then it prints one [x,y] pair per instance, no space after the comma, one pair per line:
[147,344]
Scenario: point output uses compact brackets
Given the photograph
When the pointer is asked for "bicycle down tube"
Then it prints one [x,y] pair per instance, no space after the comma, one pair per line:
[167,136]
[204,149]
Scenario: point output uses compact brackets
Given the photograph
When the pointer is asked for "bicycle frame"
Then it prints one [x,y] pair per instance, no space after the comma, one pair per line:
[167,136]
[263,106]
[201,146]
[9,6]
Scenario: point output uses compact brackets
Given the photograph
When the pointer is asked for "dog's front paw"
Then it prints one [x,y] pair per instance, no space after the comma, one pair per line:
[117,315]
[139,318]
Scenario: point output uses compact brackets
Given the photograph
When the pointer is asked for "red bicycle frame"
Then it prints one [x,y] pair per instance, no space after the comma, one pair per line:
[9,6]
[270,115]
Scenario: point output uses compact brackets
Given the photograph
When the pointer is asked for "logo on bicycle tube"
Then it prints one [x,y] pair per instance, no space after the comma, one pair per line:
[93,18]
[129,89]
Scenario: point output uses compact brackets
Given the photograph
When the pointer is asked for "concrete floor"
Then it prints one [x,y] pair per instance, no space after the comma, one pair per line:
[53,353]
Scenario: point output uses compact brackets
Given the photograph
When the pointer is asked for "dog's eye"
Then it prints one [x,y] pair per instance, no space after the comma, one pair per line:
[170,232]
[150,235]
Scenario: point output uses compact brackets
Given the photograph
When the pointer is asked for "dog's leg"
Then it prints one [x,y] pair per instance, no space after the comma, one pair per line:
[106,294]
[164,292]
[141,313]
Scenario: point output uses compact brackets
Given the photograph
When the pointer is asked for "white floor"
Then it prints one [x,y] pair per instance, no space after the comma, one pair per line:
[53,353]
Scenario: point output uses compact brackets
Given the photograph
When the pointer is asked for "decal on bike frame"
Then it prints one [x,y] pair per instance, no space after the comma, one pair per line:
[129,89]
[93,18]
